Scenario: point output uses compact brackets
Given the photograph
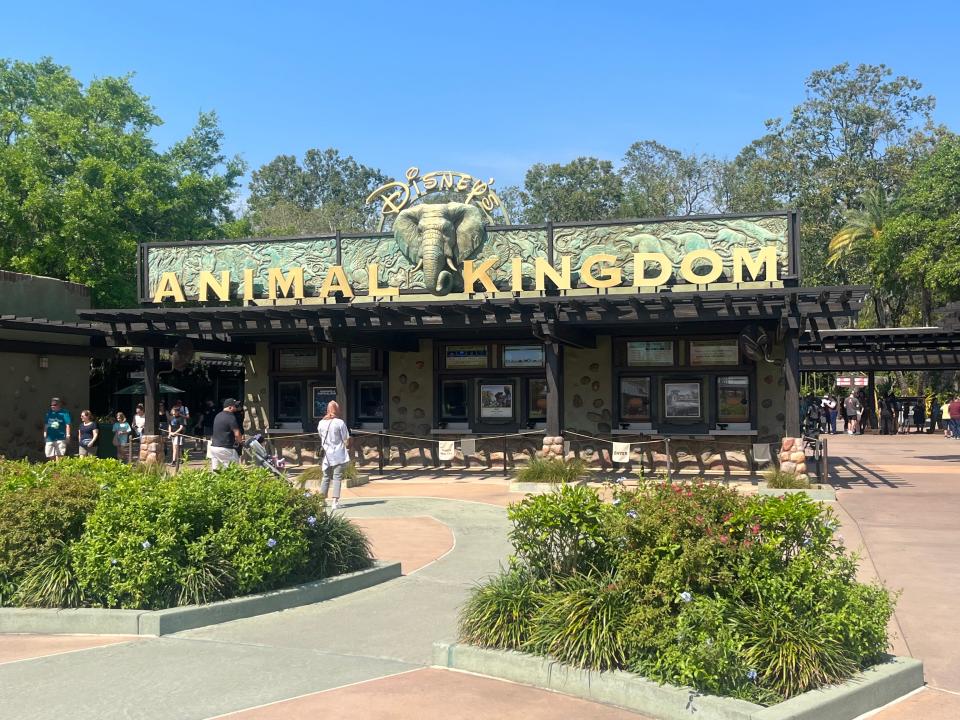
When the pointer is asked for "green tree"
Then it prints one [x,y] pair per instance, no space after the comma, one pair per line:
[584,189]
[323,194]
[82,182]
[659,181]
[919,247]
[857,129]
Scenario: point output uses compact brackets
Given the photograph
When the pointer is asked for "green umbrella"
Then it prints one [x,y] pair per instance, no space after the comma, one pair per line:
[140,389]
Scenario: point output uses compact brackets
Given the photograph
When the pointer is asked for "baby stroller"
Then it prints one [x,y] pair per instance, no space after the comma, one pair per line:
[259,456]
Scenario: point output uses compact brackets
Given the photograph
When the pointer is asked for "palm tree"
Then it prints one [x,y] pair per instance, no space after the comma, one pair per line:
[860,225]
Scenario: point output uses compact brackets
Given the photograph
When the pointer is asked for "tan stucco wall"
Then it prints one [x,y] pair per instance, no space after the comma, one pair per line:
[25,393]
[256,389]
[410,389]
[41,297]
[771,393]
[588,388]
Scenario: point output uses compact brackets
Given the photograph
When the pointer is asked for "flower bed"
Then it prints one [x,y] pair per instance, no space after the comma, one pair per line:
[689,584]
[84,532]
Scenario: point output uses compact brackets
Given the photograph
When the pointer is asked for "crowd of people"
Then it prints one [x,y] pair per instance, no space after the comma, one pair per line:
[896,416]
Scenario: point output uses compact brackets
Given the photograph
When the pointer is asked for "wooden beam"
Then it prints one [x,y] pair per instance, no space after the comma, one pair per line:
[161,340]
[791,371]
[151,389]
[553,361]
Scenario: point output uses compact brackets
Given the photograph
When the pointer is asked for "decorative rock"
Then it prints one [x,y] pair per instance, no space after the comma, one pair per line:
[395,398]
[768,379]
[401,411]
[402,379]
[788,467]
[577,401]
[798,457]
[585,380]
[594,367]
[787,443]
[766,403]
[598,403]
[595,386]
[414,386]
[418,413]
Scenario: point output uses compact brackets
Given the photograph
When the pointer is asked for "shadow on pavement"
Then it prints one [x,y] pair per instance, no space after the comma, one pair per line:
[847,473]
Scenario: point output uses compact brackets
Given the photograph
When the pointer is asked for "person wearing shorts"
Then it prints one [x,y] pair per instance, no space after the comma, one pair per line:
[121,436]
[225,437]
[177,426]
[87,434]
[56,430]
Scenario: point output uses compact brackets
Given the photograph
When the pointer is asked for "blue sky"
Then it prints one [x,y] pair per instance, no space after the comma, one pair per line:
[484,87]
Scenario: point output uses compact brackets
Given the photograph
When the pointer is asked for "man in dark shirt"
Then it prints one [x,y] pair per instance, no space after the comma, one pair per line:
[226,436]
[953,409]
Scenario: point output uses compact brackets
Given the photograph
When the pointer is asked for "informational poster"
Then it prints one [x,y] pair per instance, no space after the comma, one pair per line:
[733,400]
[297,358]
[621,452]
[361,359]
[681,399]
[445,450]
[496,400]
[523,356]
[646,353]
[714,352]
[466,356]
[321,397]
[468,446]
[634,399]
[538,398]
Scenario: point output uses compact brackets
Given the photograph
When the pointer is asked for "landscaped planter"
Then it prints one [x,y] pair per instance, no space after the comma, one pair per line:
[540,488]
[186,617]
[822,493]
[866,691]
[360,479]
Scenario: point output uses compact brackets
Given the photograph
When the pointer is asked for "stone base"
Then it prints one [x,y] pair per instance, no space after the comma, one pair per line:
[151,449]
[552,447]
[792,458]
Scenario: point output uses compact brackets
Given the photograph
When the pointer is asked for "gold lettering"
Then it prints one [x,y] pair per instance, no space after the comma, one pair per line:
[640,261]
[280,284]
[687,264]
[168,286]
[446,181]
[766,261]
[373,282]
[464,183]
[248,284]
[208,282]
[342,285]
[543,270]
[609,277]
[472,275]
[478,190]
[516,274]
[430,181]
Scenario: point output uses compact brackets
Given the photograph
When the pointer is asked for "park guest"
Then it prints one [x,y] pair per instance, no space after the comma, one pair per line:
[945,417]
[954,410]
[139,421]
[177,427]
[334,438]
[919,415]
[56,430]
[184,410]
[87,434]
[121,435]
[934,414]
[226,436]
[209,413]
[852,407]
[830,406]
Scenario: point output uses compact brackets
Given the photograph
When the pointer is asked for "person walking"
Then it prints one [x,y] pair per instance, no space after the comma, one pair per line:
[56,430]
[830,405]
[887,415]
[177,426]
[334,438]
[225,437]
[954,410]
[121,436]
[934,414]
[919,415]
[87,435]
[851,406]
[945,417]
[139,421]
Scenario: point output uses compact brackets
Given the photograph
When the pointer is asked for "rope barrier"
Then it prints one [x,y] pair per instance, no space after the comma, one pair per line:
[600,439]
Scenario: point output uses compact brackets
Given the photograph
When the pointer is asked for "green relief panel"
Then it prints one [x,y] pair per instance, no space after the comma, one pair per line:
[394,268]
[674,238]
[314,255]
[507,244]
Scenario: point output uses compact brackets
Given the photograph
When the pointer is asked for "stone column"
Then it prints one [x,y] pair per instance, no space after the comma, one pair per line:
[150,450]
[792,457]
[553,440]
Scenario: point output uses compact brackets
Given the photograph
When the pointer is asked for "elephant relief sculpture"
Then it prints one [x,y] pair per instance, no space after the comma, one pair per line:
[439,237]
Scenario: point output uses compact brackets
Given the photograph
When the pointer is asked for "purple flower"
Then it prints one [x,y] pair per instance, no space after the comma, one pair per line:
[146,545]
[686,596]
[311,520]
[616,502]
[752,675]
[113,561]
[271,543]
[621,479]
[631,513]
[307,493]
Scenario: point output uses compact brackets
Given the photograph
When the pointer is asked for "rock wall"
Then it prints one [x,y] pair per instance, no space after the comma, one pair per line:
[410,389]
[588,398]
[771,390]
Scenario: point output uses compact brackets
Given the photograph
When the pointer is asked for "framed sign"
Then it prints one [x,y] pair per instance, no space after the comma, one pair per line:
[370,400]
[681,400]
[634,399]
[361,359]
[647,353]
[289,401]
[297,358]
[523,356]
[466,356]
[322,396]
[496,400]
[733,399]
[538,399]
[714,352]
[453,399]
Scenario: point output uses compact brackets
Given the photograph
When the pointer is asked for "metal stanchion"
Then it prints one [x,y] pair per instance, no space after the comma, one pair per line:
[669,473]
[380,450]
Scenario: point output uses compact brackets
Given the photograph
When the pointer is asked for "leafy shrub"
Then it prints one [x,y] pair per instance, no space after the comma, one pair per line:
[42,510]
[202,536]
[552,470]
[560,533]
[691,584]
[500,613]
[780,480]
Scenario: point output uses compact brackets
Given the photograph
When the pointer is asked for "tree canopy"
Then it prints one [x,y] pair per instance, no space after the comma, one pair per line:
[82,182]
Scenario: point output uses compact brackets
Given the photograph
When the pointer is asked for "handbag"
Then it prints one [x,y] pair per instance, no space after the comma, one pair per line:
[322,453]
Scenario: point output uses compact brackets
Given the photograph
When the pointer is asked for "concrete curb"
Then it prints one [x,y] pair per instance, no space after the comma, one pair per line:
[541,488]
[826,494]
[163,622]
[871,689]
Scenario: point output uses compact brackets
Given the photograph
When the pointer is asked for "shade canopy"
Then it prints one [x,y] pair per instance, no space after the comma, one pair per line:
[140,389]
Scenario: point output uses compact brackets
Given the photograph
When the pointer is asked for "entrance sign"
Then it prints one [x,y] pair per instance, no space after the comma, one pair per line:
[446,248]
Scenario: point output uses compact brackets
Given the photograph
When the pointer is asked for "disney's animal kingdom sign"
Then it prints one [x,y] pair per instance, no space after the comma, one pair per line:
[444,248]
